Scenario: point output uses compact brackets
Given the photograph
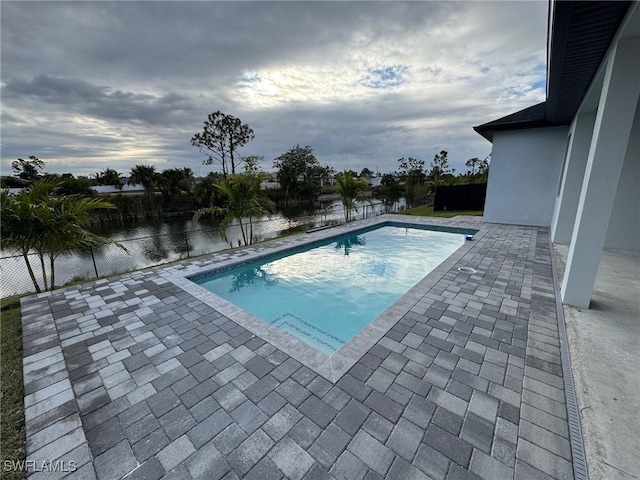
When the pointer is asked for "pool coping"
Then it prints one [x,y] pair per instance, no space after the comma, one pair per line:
[332,367]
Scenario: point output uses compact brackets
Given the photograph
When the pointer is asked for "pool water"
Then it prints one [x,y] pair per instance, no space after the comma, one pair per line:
[328,293]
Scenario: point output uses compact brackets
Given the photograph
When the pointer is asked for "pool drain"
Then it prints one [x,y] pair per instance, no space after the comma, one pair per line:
[466,270]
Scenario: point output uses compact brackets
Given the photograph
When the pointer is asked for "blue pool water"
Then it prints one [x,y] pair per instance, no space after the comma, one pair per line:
[327,294]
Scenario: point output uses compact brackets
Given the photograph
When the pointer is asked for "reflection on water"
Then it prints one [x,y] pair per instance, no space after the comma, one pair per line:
[332,290]
[256,276]
[349,242]
[158,241]
[156,249]
[251,277]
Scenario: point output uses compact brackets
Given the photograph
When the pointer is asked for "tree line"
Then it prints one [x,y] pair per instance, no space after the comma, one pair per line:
[413,180]
[52,215]
[300,175]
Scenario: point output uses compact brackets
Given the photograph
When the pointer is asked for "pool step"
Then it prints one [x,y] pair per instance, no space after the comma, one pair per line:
[308,332]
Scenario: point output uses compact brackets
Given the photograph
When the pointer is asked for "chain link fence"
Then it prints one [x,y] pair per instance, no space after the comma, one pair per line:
[125,255]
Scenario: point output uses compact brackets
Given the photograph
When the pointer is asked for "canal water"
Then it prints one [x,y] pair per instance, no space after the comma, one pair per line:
[157,241]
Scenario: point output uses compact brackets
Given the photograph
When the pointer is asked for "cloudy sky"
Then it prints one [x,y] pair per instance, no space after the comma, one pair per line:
[91,85]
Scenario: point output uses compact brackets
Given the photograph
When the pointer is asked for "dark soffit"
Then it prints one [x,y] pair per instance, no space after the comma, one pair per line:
[580,35]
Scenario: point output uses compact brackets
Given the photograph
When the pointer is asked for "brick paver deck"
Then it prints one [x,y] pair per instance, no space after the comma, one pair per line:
[135,377]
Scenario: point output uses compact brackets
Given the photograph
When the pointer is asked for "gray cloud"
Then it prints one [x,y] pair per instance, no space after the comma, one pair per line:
[81,97]
[86,85]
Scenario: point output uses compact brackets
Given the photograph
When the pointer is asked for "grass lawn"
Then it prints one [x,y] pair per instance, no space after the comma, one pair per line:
[427,211]
[12,433]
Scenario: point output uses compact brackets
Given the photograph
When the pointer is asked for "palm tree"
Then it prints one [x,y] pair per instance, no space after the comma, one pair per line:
[242,200]
[351,191]
[66,228]
[36,220]
[21,223]
[109,176]
[146,176]
[205,190]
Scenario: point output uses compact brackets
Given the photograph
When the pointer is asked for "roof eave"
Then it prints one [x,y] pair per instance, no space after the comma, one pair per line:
[556,44]
[488,133]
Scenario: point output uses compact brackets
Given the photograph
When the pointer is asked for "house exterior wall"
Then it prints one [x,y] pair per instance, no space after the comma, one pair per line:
[623,232]
[524,175]
[605,187]
[564,212]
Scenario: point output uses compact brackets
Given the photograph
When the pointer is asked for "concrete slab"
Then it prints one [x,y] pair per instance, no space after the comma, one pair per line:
[604,341]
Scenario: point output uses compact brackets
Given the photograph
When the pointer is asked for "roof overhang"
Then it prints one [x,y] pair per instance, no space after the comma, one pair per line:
[580,33]
[530,117]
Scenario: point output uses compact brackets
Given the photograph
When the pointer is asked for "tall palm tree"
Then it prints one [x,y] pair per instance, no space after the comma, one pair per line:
[351,191]
[242,202]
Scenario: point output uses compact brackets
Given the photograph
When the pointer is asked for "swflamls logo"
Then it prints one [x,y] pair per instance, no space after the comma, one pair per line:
[39,466]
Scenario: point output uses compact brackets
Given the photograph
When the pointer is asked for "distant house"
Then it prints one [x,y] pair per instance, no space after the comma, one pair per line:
[322,179]
[126,188]
[372,180]
[572,163]
[13,182]
[327,180]
[269,185]
[270,182]
[103,189]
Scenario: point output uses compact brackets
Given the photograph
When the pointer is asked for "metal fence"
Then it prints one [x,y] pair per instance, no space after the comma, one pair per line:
[135,253]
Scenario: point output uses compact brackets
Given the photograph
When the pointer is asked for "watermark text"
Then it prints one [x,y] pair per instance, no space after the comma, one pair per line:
[39,466]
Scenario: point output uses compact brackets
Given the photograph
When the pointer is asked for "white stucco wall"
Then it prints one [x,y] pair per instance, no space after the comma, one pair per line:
[524,175]
[566,203]
[623,232]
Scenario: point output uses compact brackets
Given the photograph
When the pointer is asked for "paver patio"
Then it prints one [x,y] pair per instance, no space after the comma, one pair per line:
[134,376]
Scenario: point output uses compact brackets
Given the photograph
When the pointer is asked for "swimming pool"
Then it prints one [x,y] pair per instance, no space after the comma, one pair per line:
[327,292]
